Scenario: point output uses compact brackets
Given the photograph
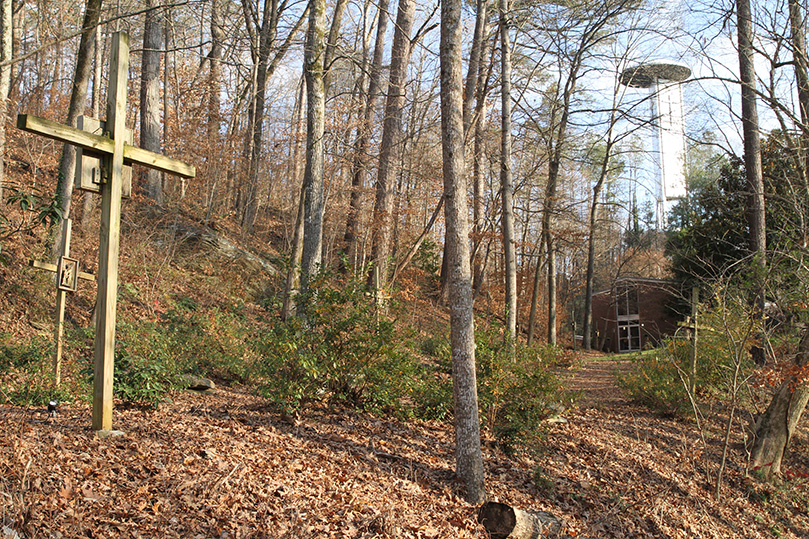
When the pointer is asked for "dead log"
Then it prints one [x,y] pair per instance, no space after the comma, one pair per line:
[506,522]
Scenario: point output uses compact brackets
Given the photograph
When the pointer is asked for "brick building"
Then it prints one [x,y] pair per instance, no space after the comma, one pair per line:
[635,314]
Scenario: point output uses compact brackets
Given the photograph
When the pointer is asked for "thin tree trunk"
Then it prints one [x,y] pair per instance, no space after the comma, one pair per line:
[506,181]
[382,245]
[801,63]
[468,456]
[363,142]
[587,330]
[150,125]
[6,34]
[752,162]
[315,126]
[78,98]
[293,276]
[266,37]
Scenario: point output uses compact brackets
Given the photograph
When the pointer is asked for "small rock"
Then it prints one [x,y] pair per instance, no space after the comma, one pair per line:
[197,383]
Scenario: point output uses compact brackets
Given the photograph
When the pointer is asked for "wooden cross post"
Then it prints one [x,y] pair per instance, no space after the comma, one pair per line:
[113,151]
[67,276]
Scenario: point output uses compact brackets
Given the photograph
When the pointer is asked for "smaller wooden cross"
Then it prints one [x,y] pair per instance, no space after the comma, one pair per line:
[67,278]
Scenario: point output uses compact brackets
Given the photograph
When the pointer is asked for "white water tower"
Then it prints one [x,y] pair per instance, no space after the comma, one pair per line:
[663,79]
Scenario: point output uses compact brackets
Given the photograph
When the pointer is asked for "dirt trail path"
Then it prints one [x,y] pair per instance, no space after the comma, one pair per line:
[596,379]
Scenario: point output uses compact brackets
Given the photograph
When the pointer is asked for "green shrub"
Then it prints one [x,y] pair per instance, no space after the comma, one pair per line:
[658,380]
[146,369]
[214,343]
[517,390]
[655,382]
[39,350]
[26,369]
[341,351]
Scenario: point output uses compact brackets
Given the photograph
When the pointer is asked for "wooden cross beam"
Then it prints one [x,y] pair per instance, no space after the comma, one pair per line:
[114,152]
[67,276]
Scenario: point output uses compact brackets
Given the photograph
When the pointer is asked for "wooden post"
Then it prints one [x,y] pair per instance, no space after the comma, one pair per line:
[692,372]
[109,239]
[114,152]
[67,275]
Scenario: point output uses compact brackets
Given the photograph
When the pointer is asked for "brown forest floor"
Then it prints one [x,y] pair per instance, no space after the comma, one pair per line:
[223,465]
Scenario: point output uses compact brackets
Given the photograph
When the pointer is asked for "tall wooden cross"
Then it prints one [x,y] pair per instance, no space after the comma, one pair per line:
[113,151]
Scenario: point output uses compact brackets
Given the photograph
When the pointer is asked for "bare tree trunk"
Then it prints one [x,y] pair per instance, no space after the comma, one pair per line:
[98,50]
[752,161]
[293,276]
[266,37]
[801,63]
[587,330]
[775,427]
[150,125]
[468,456]
[315,126]
[506,181]
[359,169]
[381,246]
[6,31]
[473,69]
[78,98]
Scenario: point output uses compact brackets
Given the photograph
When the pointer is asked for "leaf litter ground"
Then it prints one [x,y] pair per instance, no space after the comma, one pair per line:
[224,465]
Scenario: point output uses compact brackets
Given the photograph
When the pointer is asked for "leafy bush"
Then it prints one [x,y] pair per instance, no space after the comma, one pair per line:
[145,365]
[517,390]
[655,382]
[214,343]
[658,380]
[341,351]
[37,351]
[27,367]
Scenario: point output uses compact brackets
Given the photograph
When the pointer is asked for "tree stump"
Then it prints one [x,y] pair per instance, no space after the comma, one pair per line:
[505,522]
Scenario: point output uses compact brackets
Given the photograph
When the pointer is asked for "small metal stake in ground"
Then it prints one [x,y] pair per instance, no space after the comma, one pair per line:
[67,279]
[113,152]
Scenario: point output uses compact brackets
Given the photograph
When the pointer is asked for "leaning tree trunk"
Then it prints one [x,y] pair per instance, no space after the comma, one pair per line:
[587,330]
[266,37]
[468,456]
[150,125]
[775,427]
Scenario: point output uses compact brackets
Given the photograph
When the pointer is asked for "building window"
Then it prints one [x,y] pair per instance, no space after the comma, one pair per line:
[628,316]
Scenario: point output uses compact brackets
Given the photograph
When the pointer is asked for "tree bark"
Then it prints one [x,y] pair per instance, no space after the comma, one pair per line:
[293,275]
[267,34]
[505,522]
[150,125]
[315,126]
[752,162]
[6,31]
[468,456]
[775,427]
[359,168]
[78,98]
[604,171]
[506,181]
[382,244]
